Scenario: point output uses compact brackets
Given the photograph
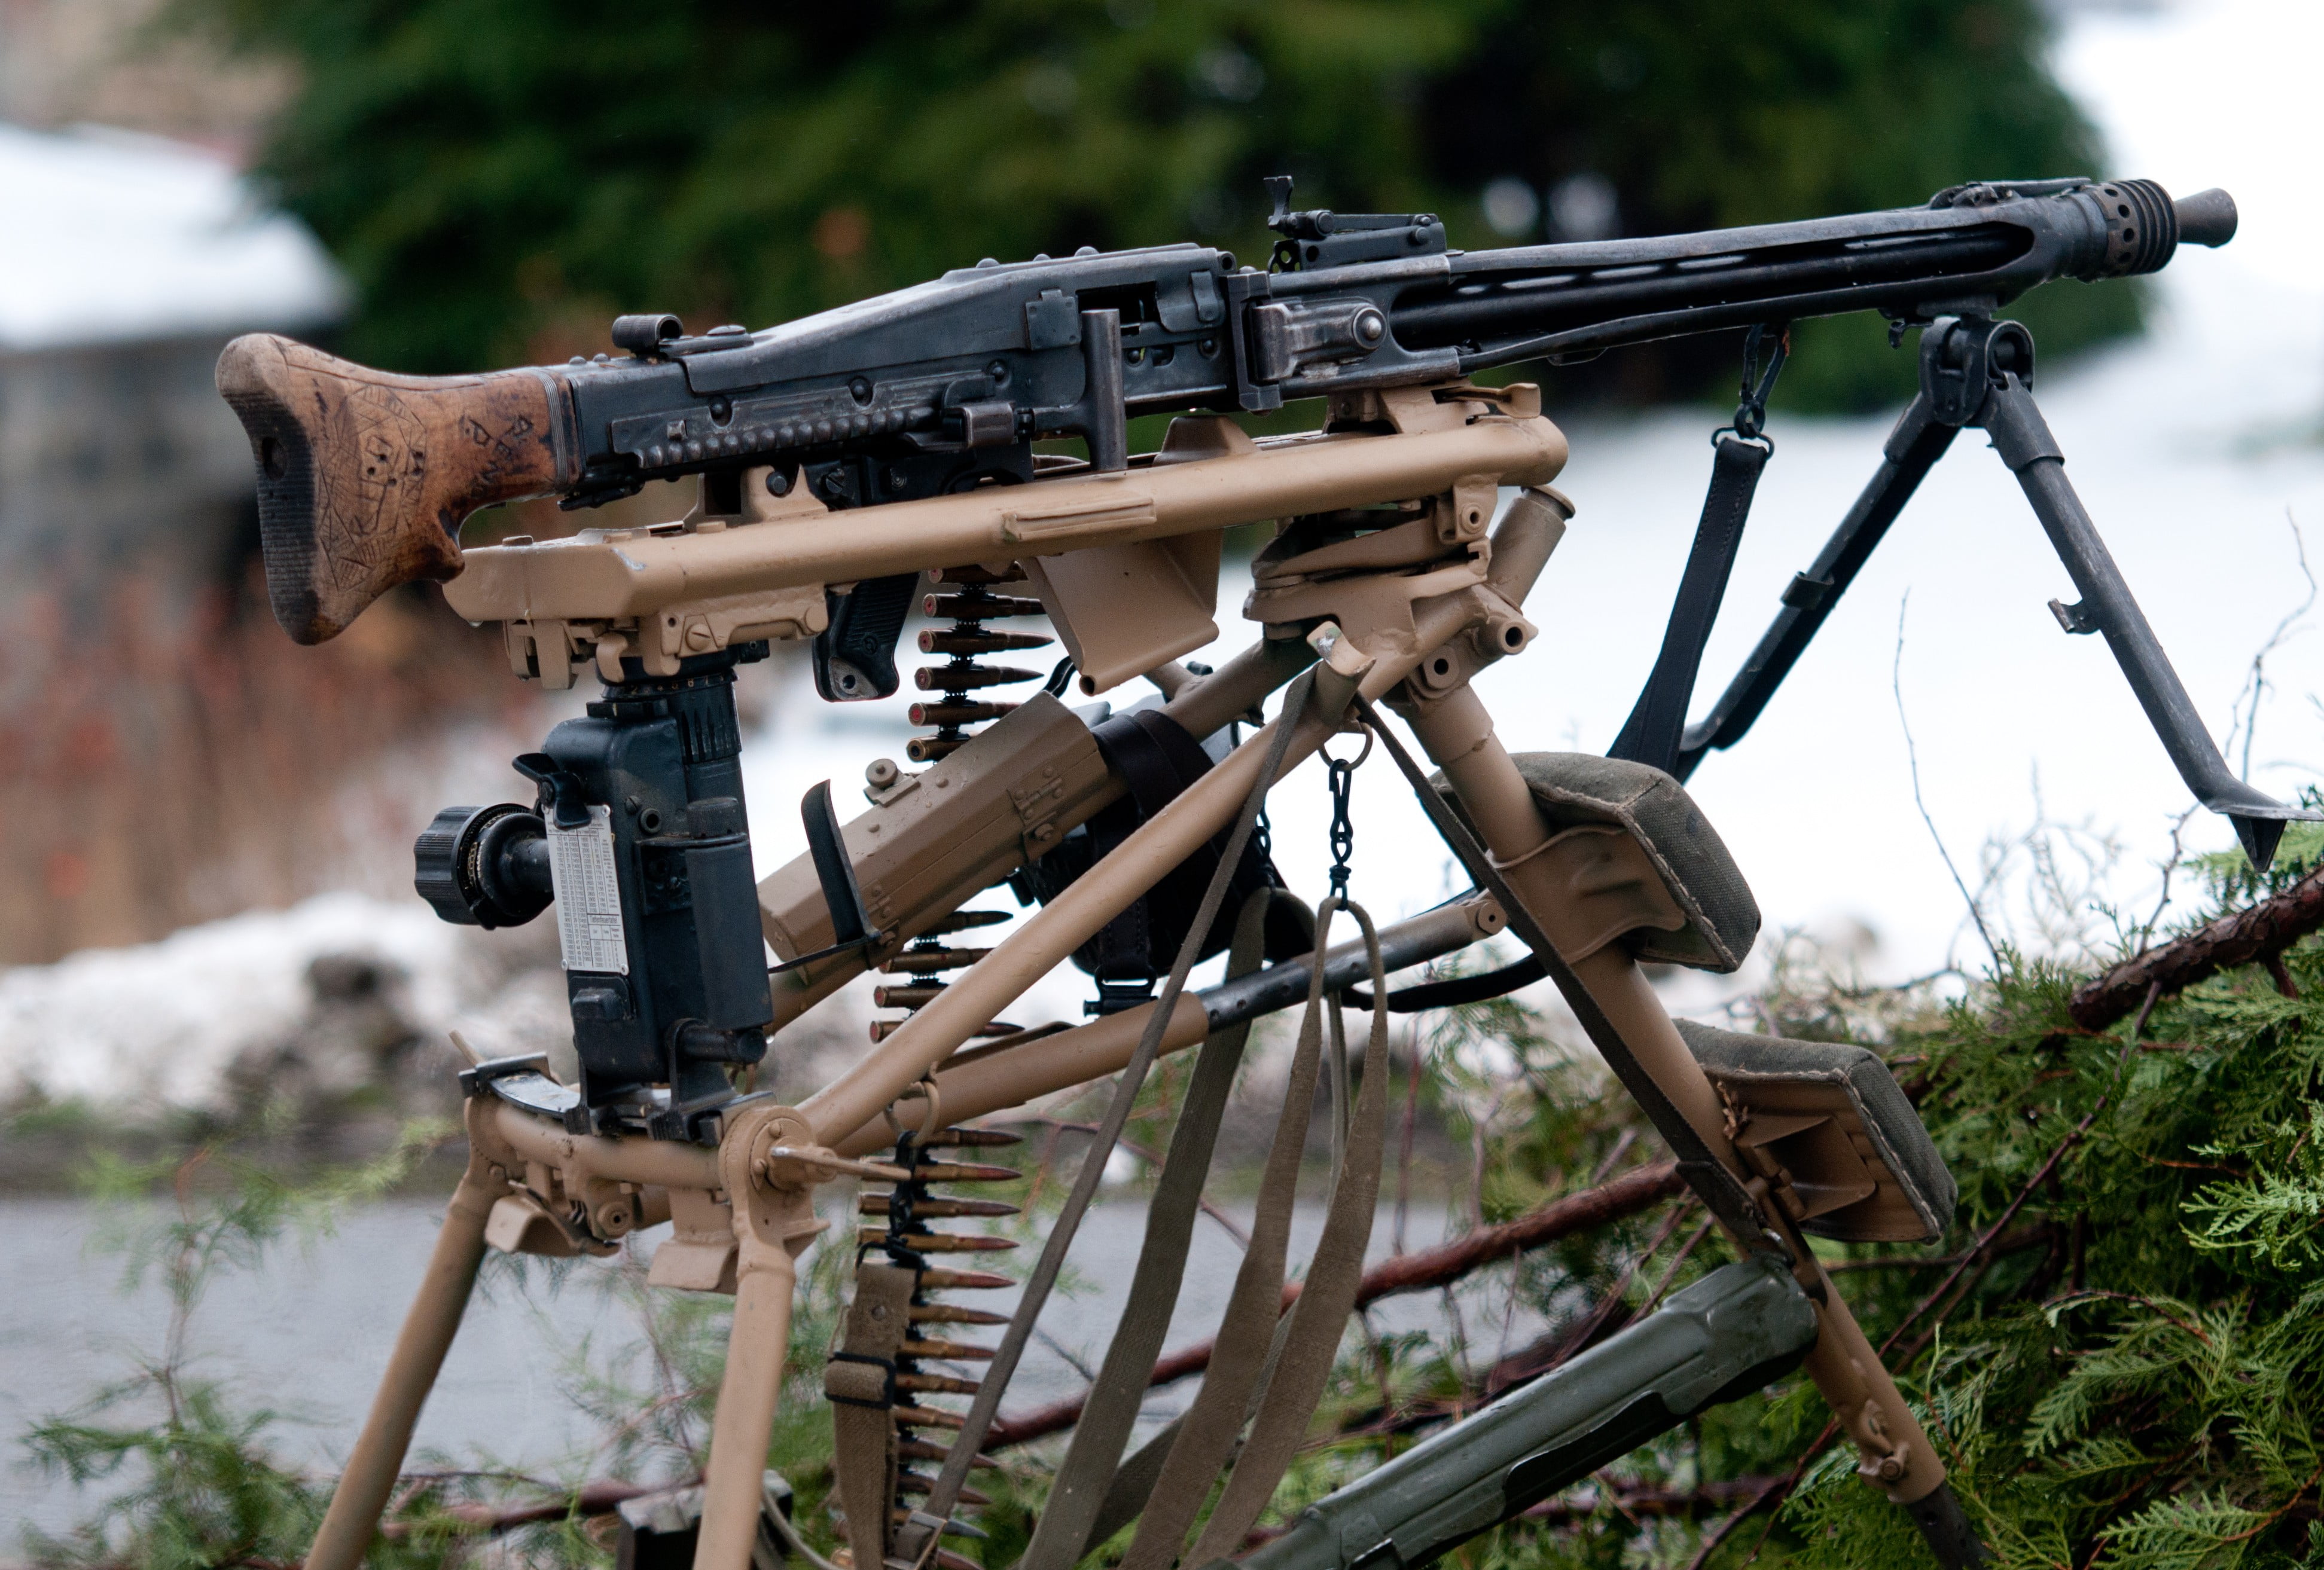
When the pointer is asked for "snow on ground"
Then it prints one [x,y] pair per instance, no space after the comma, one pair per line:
[2189,447]
[163,1022]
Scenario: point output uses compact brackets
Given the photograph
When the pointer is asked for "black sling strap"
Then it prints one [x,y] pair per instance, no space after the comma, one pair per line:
[1157,759]
[1657,722]
[1455,991]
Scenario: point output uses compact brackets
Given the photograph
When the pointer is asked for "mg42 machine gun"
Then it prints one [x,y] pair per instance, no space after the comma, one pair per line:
[845,458]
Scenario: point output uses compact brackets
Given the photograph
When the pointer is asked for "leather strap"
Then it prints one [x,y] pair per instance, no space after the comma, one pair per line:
[1153,754]
[1152,774]
[1084,1480]
[861,1382]
[1157,759]
[1657,723]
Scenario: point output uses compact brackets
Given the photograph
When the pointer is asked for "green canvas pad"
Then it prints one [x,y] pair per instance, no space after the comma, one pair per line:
[1722,919]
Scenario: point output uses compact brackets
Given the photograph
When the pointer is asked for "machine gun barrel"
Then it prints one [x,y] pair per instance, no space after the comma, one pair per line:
[364,477]
[1973,247]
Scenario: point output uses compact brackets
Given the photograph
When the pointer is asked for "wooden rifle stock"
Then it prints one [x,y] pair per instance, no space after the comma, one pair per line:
[363,477]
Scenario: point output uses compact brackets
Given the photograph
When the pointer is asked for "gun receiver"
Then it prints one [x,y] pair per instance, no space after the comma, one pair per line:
[363,478]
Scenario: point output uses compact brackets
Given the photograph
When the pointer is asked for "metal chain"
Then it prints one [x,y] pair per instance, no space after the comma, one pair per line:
[1342,776]
[1339,780]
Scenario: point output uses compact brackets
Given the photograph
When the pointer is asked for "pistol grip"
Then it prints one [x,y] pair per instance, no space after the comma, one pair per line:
[363,477]
[855,655]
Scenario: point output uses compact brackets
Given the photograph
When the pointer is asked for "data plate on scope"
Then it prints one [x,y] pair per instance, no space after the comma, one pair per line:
[588,896]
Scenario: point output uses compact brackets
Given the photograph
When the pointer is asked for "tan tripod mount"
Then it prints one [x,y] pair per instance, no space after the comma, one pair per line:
[1407,624]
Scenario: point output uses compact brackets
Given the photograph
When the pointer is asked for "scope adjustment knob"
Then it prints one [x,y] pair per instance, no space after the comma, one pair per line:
[484,867]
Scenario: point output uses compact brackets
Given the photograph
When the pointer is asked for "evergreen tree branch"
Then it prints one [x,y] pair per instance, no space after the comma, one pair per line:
[1981,1253]
[599,1498]
[2257,935]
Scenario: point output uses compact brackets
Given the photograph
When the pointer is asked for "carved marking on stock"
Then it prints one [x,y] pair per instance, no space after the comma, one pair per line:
[364,477]
[361,517]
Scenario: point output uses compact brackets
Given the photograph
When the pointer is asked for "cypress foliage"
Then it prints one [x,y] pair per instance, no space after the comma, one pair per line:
[2118,1346]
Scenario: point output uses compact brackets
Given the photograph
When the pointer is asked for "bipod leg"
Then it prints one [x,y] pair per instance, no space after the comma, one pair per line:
[774,1221]
[1918,440]
[2023,438]
[362,1494]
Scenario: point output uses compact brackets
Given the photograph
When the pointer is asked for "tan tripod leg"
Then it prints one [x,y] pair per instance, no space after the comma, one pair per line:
[1458,735]
[774,1221]
[352,1519]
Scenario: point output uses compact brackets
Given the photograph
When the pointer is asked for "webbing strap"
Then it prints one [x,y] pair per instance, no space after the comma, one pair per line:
[1657,723]
[1084,1480]
[1244,1359]
[861,1383]
[1134,1483]
[1238,1353]
[915,1541]
[1329,1294]
[1723,1193]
